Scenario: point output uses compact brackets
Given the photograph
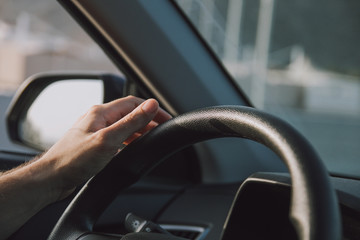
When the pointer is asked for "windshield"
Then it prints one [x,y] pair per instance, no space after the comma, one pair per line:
[298,60]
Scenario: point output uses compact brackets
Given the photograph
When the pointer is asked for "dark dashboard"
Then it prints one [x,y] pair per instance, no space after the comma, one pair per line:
[199,211]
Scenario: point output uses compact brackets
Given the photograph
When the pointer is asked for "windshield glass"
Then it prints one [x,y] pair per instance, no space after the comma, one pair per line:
[298,60]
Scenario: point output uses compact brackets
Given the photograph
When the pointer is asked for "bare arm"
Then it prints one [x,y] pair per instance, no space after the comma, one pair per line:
[84,150]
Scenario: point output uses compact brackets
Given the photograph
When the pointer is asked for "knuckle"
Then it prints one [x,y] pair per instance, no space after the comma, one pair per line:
[96,109]
[131,97]
[100,138]
[101,141]
[135,100]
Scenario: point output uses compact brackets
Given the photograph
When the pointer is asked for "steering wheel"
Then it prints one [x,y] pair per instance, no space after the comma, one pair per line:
[314,210]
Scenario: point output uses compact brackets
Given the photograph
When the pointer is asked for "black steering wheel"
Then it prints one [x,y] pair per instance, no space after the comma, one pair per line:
[314,210]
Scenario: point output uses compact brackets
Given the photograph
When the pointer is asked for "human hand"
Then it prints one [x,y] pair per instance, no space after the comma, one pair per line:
[97,136]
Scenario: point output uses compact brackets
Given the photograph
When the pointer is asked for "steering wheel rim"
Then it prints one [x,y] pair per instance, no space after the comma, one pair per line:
[314,210]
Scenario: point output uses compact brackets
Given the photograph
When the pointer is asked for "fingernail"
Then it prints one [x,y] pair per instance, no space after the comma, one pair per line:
[149,106]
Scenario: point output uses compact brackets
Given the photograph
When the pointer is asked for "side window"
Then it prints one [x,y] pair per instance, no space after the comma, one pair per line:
[38,36]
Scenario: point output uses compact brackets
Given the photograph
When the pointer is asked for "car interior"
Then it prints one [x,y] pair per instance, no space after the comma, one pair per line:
[222,168]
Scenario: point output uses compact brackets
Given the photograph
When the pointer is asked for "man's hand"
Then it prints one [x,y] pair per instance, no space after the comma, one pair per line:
[81,153]
[98,135]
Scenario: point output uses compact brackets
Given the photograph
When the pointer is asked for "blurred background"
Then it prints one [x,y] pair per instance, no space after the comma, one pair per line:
[39,36]
[298,59]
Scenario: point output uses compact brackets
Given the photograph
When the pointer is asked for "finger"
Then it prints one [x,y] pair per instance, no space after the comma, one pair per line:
[100,116]
[131,138]
[120,107]
[162,116]
[117,109]
[133,122]
[148,127]
[141,132]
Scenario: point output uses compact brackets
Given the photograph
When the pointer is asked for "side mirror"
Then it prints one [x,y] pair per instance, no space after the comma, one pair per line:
[46,105]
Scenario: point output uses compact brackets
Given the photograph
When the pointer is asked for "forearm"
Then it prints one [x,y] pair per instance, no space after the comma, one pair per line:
[23,192]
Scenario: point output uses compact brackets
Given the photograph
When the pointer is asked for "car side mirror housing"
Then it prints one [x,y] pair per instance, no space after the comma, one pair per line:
[46,105]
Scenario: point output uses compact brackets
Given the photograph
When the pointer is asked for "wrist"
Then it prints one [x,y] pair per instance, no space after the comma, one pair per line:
[52,175]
